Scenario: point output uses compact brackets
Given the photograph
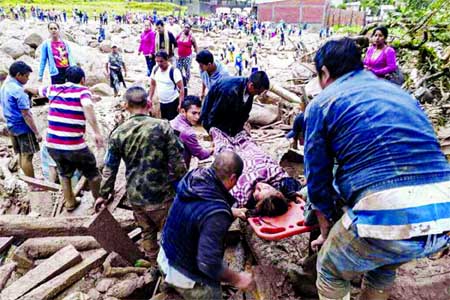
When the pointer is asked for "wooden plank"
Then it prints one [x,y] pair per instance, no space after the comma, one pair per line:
[5,242]
[61,282]
[5,272]
[80,185]
[27,226]
[50,186]
[57,263]
[110,235]
[120,193]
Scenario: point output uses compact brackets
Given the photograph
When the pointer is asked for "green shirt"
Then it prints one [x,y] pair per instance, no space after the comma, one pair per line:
[153,158]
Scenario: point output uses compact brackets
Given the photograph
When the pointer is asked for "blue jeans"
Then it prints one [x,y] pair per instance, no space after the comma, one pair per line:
[345,256]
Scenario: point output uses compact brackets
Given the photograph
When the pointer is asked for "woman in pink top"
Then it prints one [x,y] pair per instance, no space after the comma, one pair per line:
[380,58]
[185,41]
[147,46]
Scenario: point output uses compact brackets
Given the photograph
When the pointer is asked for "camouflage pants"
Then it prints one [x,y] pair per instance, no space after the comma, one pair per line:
[151,219]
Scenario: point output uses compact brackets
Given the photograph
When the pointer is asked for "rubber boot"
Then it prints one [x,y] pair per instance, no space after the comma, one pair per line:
[372,294]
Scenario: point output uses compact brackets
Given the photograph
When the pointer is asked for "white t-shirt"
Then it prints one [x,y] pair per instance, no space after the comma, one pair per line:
[167,91]
[175,29]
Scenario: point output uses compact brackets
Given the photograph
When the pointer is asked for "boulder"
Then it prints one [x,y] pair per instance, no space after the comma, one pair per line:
[105,46]
[5,62]
[102,89]
[263,114]
[128,50]
[14,48]
[33,40]
[29,50]
[93,44]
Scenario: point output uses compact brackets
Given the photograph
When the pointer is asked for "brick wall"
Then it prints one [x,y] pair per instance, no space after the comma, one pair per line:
[294,11]
[348,17]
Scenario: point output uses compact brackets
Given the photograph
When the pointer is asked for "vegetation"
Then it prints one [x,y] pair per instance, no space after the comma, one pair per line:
[91,6]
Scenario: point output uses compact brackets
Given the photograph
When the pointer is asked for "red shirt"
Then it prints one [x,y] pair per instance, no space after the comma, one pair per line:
[184,47]
[60,54]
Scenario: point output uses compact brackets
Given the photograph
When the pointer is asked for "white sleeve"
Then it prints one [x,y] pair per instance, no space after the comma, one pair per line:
[152,74]
[177,75]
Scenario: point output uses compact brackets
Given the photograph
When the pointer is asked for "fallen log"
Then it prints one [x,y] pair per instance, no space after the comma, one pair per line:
[40,183]
[271,284]
[28,227]
[39,248]
[285,94]
[59,283]
[57,263]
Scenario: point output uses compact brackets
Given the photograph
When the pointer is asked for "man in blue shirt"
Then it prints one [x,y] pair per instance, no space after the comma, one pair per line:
[16,107]
[391,175]
[211,70]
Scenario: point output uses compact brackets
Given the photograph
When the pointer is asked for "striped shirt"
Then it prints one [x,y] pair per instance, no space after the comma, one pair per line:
[66,120]
[258,165]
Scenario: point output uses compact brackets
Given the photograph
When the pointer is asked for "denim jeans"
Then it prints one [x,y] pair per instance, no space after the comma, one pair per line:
[346,256]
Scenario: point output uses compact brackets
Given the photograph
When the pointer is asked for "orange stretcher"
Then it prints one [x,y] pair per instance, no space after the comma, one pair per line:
[277,228]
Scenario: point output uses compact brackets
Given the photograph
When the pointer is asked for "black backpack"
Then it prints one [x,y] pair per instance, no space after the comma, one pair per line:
[171,71]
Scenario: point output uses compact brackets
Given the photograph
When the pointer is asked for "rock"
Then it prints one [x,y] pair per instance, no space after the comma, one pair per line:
[123,288]
[93,294]
[93,44]
[14,48]
[102,89]
[29,51]
[33,40]
[77,296]
[96,77]
[263,114]
[5,62]
[312,88]
[105,46]
[128,50]
[104,284]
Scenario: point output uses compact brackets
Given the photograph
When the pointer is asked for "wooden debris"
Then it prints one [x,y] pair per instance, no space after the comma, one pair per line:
[56,285]
[26,226]
[110,235]
[80,185]
[50,186]
[285,94]
[38,248]
[57,263]
[272,284]
[5,272]
[120,271]
[5,242]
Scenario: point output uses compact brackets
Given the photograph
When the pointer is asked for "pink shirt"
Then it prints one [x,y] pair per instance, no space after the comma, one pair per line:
[384,64]
[184,47]
[147,45]
[60,54]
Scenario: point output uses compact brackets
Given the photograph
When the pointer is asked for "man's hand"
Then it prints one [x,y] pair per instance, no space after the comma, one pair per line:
[239,213]
[99,141]
[38,137]
[202,96]
[96,98]
[317,243]
[139,52]
[100,203]
[245,281]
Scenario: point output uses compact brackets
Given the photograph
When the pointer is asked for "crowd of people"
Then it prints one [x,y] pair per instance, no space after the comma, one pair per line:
[376,179]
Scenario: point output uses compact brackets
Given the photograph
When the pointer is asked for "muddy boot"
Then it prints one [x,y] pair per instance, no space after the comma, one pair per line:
[372,294]
[71,206]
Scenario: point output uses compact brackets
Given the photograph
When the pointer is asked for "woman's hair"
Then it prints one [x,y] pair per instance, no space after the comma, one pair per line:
[272,206]
[50,23]
[382,29]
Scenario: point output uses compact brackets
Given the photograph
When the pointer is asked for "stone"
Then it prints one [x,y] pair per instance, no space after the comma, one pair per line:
[263,114]
[104,284]
[33,40]
[105,46]
[14,48]
[93,294]
[102,89]
[93,44]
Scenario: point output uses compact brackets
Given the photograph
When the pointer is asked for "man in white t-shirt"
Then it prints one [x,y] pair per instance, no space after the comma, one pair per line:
[173,26]
[168,82]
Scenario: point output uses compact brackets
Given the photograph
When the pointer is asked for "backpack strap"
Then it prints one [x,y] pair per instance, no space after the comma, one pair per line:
[171,71]
[155,69]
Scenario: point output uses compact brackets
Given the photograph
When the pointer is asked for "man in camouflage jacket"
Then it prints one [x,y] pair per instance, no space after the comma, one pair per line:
[154,164]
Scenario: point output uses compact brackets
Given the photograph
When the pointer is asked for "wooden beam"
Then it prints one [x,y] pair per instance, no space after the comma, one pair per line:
[61,282]
[50,186]
[110,235]
[27,227]
[5,242]
[57,263]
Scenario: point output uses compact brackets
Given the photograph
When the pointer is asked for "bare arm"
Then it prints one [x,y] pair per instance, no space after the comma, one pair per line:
[180,87]
[194,43]
[107,67]
[202,95]
[92,120]
[28,117]
[152,90]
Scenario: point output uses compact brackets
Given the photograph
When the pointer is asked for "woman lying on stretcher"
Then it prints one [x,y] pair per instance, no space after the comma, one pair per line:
[264,188]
